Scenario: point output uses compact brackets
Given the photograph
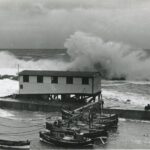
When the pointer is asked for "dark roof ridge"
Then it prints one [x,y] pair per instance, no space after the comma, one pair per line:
[59,73]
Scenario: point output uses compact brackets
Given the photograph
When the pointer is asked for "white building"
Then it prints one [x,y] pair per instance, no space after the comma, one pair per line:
[59,82]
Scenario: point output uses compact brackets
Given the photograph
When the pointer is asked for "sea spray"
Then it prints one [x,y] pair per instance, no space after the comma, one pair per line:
[128,100]
[8,87]
[87,53]
[9,64]
[92,53]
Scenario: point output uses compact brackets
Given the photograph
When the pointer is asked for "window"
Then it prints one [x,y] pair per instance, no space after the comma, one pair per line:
[26,78]
[85,80]
[21,86]
[69,80]
[54,79]
[39,79]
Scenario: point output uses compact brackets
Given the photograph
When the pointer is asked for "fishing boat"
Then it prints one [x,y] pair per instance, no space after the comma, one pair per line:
[109,120]
[63,129]
[25,145]
[66,114]
[64,140]
[102,120]
[84,129]
[95,133]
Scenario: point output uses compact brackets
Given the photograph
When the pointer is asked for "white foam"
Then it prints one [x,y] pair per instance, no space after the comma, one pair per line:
[139,82]
[134,98]
[122,119]
[114,84]
[8,87]
[5,114]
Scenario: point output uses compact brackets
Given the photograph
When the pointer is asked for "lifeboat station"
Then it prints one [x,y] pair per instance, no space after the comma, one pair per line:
[63,85]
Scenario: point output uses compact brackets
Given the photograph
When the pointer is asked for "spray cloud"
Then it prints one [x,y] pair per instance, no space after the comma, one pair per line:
[9,63]
[91,53]
[88,53]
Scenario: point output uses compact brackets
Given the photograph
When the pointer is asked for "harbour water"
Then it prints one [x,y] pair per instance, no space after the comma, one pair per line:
[21,125]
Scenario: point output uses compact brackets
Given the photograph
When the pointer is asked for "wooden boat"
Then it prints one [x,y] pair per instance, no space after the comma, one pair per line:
[95,133]
[64,140]
[109,120]
[66,114]
[15,144]
[104,120]
[62,129]
[88,133]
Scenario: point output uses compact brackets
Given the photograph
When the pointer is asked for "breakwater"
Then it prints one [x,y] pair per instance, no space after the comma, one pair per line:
[56,106]
[130,114]
[37,106]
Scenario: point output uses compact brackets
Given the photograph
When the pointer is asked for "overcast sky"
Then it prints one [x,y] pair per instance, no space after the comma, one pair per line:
[48,23]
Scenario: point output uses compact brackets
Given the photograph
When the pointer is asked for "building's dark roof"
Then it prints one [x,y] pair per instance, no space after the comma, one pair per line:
[58,73]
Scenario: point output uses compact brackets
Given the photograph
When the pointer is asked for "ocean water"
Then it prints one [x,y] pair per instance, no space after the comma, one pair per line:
[32,54]
[126,94]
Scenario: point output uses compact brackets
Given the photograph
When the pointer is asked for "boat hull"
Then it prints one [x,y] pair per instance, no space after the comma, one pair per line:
[64,143]
[25,145]
[109,120]
[96,134]
[88,133]
[66,114]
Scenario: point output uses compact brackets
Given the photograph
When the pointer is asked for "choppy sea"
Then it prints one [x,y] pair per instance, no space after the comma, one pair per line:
[116,94]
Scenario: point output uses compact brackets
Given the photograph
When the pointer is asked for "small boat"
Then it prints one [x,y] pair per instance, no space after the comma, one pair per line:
[25,145]
[64,140]
[104,120]
[66,114]
[109,120]
[94,133]
[63,129]
[85,130]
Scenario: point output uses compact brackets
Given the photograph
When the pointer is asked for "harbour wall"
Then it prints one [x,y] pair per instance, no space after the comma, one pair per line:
[52,107]
[130,114]
[37,106]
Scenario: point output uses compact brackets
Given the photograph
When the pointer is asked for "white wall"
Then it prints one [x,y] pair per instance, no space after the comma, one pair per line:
[97,84]
[32,87]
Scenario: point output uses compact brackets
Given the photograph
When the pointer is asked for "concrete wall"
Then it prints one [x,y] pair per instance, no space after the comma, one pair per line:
[130,114]
[32,106]
[51,107]
[32,87]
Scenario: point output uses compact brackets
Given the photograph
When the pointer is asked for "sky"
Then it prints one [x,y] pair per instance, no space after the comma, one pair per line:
[49,23]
